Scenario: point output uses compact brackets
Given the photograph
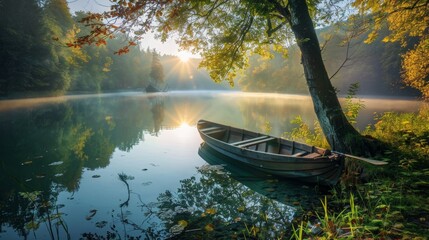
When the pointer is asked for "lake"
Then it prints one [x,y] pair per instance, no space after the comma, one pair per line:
[130,165]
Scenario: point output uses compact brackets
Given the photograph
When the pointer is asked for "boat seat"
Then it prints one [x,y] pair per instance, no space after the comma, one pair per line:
[215,131]
[248,140]
[255,142]
[298,154]
[210,129]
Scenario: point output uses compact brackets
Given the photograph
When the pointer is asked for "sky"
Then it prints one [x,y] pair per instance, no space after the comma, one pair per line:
[168,48]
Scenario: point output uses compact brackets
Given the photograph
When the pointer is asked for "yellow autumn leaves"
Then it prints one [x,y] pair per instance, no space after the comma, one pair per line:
[182,224]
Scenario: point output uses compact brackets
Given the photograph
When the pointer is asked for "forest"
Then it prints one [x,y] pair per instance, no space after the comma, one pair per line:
[35,59]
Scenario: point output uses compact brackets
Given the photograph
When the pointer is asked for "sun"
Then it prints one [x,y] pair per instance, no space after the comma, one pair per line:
[184,57]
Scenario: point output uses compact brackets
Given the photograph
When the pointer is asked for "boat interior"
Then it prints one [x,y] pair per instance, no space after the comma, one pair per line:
[260,142]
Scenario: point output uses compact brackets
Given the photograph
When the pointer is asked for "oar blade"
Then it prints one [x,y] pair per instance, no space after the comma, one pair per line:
[367,160]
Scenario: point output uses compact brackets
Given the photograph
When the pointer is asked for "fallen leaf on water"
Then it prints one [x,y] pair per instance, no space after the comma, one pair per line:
[183,223]
[146,183]
[55,163]
[91,214]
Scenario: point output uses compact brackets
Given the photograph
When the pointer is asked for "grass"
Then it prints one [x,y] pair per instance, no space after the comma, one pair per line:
[378,202]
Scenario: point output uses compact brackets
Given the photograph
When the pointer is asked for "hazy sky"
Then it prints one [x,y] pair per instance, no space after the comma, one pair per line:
[169,47]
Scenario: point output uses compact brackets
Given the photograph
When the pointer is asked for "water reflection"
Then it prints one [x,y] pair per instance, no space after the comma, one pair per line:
[216,206]
[60,159]
[287,192]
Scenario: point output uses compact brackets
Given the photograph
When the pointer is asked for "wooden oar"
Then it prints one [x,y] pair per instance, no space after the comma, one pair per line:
[367,160]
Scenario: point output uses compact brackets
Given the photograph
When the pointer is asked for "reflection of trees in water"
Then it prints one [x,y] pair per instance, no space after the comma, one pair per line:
[217,206]
[157,110]
[50,145]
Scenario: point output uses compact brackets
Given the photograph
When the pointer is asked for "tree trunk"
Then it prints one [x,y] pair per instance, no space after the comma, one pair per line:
[339,132]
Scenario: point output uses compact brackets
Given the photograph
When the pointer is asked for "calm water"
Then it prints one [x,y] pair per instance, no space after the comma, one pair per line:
[132,165]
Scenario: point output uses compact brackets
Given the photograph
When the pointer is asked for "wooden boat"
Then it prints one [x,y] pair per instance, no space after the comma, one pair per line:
[273,155]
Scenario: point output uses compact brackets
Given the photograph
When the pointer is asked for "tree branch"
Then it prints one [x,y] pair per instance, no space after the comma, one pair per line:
[271,30]
[344,62]
[282,10]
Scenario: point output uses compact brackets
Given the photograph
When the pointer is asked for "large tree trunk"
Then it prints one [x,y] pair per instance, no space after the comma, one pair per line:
[339,132]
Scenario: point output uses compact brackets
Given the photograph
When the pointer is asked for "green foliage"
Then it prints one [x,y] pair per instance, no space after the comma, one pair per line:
[406,132]
[22,49]
[393,197]
[304,133]
[352,107]
[314,135]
